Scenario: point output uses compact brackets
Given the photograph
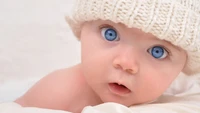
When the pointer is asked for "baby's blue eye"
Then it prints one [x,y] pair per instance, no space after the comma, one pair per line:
[109,34]
[158,52]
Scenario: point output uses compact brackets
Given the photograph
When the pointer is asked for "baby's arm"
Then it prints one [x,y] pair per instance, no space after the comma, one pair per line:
[53,91]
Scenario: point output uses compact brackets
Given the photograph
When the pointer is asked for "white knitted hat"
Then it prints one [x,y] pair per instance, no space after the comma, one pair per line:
[177,21]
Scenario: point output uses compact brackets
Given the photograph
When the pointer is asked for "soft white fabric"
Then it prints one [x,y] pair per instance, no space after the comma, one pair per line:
[176,21]
[185,104]
[16,108]
[177,99]
[13,89]
[35,40]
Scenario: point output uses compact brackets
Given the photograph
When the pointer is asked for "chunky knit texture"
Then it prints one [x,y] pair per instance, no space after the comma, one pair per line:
[177,21]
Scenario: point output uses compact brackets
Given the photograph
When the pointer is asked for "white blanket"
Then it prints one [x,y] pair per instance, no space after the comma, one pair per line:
[35,40]
[186,104]
[182,97]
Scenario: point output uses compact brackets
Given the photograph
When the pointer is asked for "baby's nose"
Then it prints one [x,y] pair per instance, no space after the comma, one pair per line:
[127,62]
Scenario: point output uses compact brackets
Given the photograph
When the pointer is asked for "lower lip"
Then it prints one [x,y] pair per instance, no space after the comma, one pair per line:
[119,90]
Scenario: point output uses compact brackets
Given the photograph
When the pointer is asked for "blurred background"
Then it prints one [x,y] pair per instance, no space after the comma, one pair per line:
[34,41]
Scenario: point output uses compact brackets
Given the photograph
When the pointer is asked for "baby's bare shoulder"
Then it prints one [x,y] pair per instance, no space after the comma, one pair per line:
[63,73]
[64,76]
[53,91]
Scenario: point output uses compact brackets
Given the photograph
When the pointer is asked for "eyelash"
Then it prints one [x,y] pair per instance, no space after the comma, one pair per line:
[107,26]
[167,50]
[110,26]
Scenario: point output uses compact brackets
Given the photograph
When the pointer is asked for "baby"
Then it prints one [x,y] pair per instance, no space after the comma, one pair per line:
[131,51]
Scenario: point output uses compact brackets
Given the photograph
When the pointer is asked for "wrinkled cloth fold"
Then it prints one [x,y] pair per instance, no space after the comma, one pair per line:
[165,104]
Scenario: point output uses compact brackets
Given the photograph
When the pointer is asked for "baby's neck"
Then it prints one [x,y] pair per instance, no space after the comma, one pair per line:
[86,96]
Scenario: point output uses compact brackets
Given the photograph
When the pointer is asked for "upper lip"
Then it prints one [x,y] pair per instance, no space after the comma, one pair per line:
[121,80]
[120,83]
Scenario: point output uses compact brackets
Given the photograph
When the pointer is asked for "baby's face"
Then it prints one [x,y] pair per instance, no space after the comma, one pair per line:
[126,65]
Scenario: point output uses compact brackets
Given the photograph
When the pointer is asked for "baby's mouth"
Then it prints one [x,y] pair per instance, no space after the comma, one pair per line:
[119,89]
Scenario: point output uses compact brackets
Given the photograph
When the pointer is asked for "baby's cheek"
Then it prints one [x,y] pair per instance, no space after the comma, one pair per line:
[154,86]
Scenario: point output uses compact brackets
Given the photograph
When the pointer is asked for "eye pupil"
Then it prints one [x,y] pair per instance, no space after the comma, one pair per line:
[157,52]
[109,34]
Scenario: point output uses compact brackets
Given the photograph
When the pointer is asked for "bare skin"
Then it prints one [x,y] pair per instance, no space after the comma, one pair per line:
[50,92]
[118,64]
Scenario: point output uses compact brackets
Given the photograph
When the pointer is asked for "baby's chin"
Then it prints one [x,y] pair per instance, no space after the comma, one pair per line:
[119,100]
[125,101]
